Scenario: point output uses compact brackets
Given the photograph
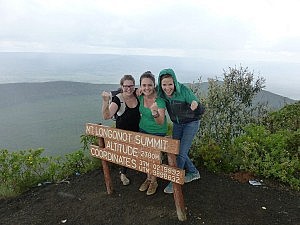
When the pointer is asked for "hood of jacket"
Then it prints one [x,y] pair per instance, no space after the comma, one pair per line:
[169,71]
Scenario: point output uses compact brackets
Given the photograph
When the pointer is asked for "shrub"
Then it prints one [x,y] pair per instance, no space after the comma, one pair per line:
[24,169]
[237,135]
[267,154]
[287,118]
[229,108]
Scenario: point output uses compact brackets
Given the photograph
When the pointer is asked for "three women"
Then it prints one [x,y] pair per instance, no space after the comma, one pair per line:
[182,106]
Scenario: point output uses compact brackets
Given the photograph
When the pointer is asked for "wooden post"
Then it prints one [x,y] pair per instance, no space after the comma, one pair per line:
[105,165]
[177,188]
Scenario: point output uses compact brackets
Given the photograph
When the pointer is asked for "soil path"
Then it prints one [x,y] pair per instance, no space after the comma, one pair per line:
[214,199]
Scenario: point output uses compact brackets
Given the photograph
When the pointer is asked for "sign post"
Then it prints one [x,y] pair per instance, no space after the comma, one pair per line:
[178,196]
[140,152]
[107,177]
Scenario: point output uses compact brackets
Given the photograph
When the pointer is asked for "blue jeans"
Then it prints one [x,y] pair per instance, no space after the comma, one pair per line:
[185,133]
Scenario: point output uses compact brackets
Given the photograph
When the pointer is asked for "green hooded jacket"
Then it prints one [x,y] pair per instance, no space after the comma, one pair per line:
[178,106]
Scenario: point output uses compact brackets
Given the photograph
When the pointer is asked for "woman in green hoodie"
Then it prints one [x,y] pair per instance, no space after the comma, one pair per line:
[184,110]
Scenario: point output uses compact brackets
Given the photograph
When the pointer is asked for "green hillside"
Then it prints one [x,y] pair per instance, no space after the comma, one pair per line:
[49,115]
[52,115]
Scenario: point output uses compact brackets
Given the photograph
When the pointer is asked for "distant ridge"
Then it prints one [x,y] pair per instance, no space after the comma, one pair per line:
[274,101]
[18,67]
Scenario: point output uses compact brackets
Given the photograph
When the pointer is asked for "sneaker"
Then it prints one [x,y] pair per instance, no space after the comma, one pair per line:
[169,188]
[124,179]
[189,177]
[145,185]
[152,188]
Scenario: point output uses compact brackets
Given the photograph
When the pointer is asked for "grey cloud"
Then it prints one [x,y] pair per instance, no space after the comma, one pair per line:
[185,29]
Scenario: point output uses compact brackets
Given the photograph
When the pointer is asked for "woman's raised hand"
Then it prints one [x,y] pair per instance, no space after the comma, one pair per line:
[106,96]
[154,108]
[194,105]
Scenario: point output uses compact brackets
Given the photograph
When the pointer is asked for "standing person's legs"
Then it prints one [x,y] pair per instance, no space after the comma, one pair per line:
[186,133]
[123,177]
[177,134]
[150,184]
[123,169]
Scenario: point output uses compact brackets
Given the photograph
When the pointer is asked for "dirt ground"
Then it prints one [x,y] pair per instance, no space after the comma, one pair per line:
[213,199]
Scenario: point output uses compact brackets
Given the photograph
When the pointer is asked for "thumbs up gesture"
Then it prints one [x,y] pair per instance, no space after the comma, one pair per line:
[154,108]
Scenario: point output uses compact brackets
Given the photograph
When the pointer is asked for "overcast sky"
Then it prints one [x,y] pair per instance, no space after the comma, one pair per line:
[244,31]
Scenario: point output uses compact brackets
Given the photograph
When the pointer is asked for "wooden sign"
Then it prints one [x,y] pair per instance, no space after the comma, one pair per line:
[140,152]
[133,161]
[146,141]
[136,150]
